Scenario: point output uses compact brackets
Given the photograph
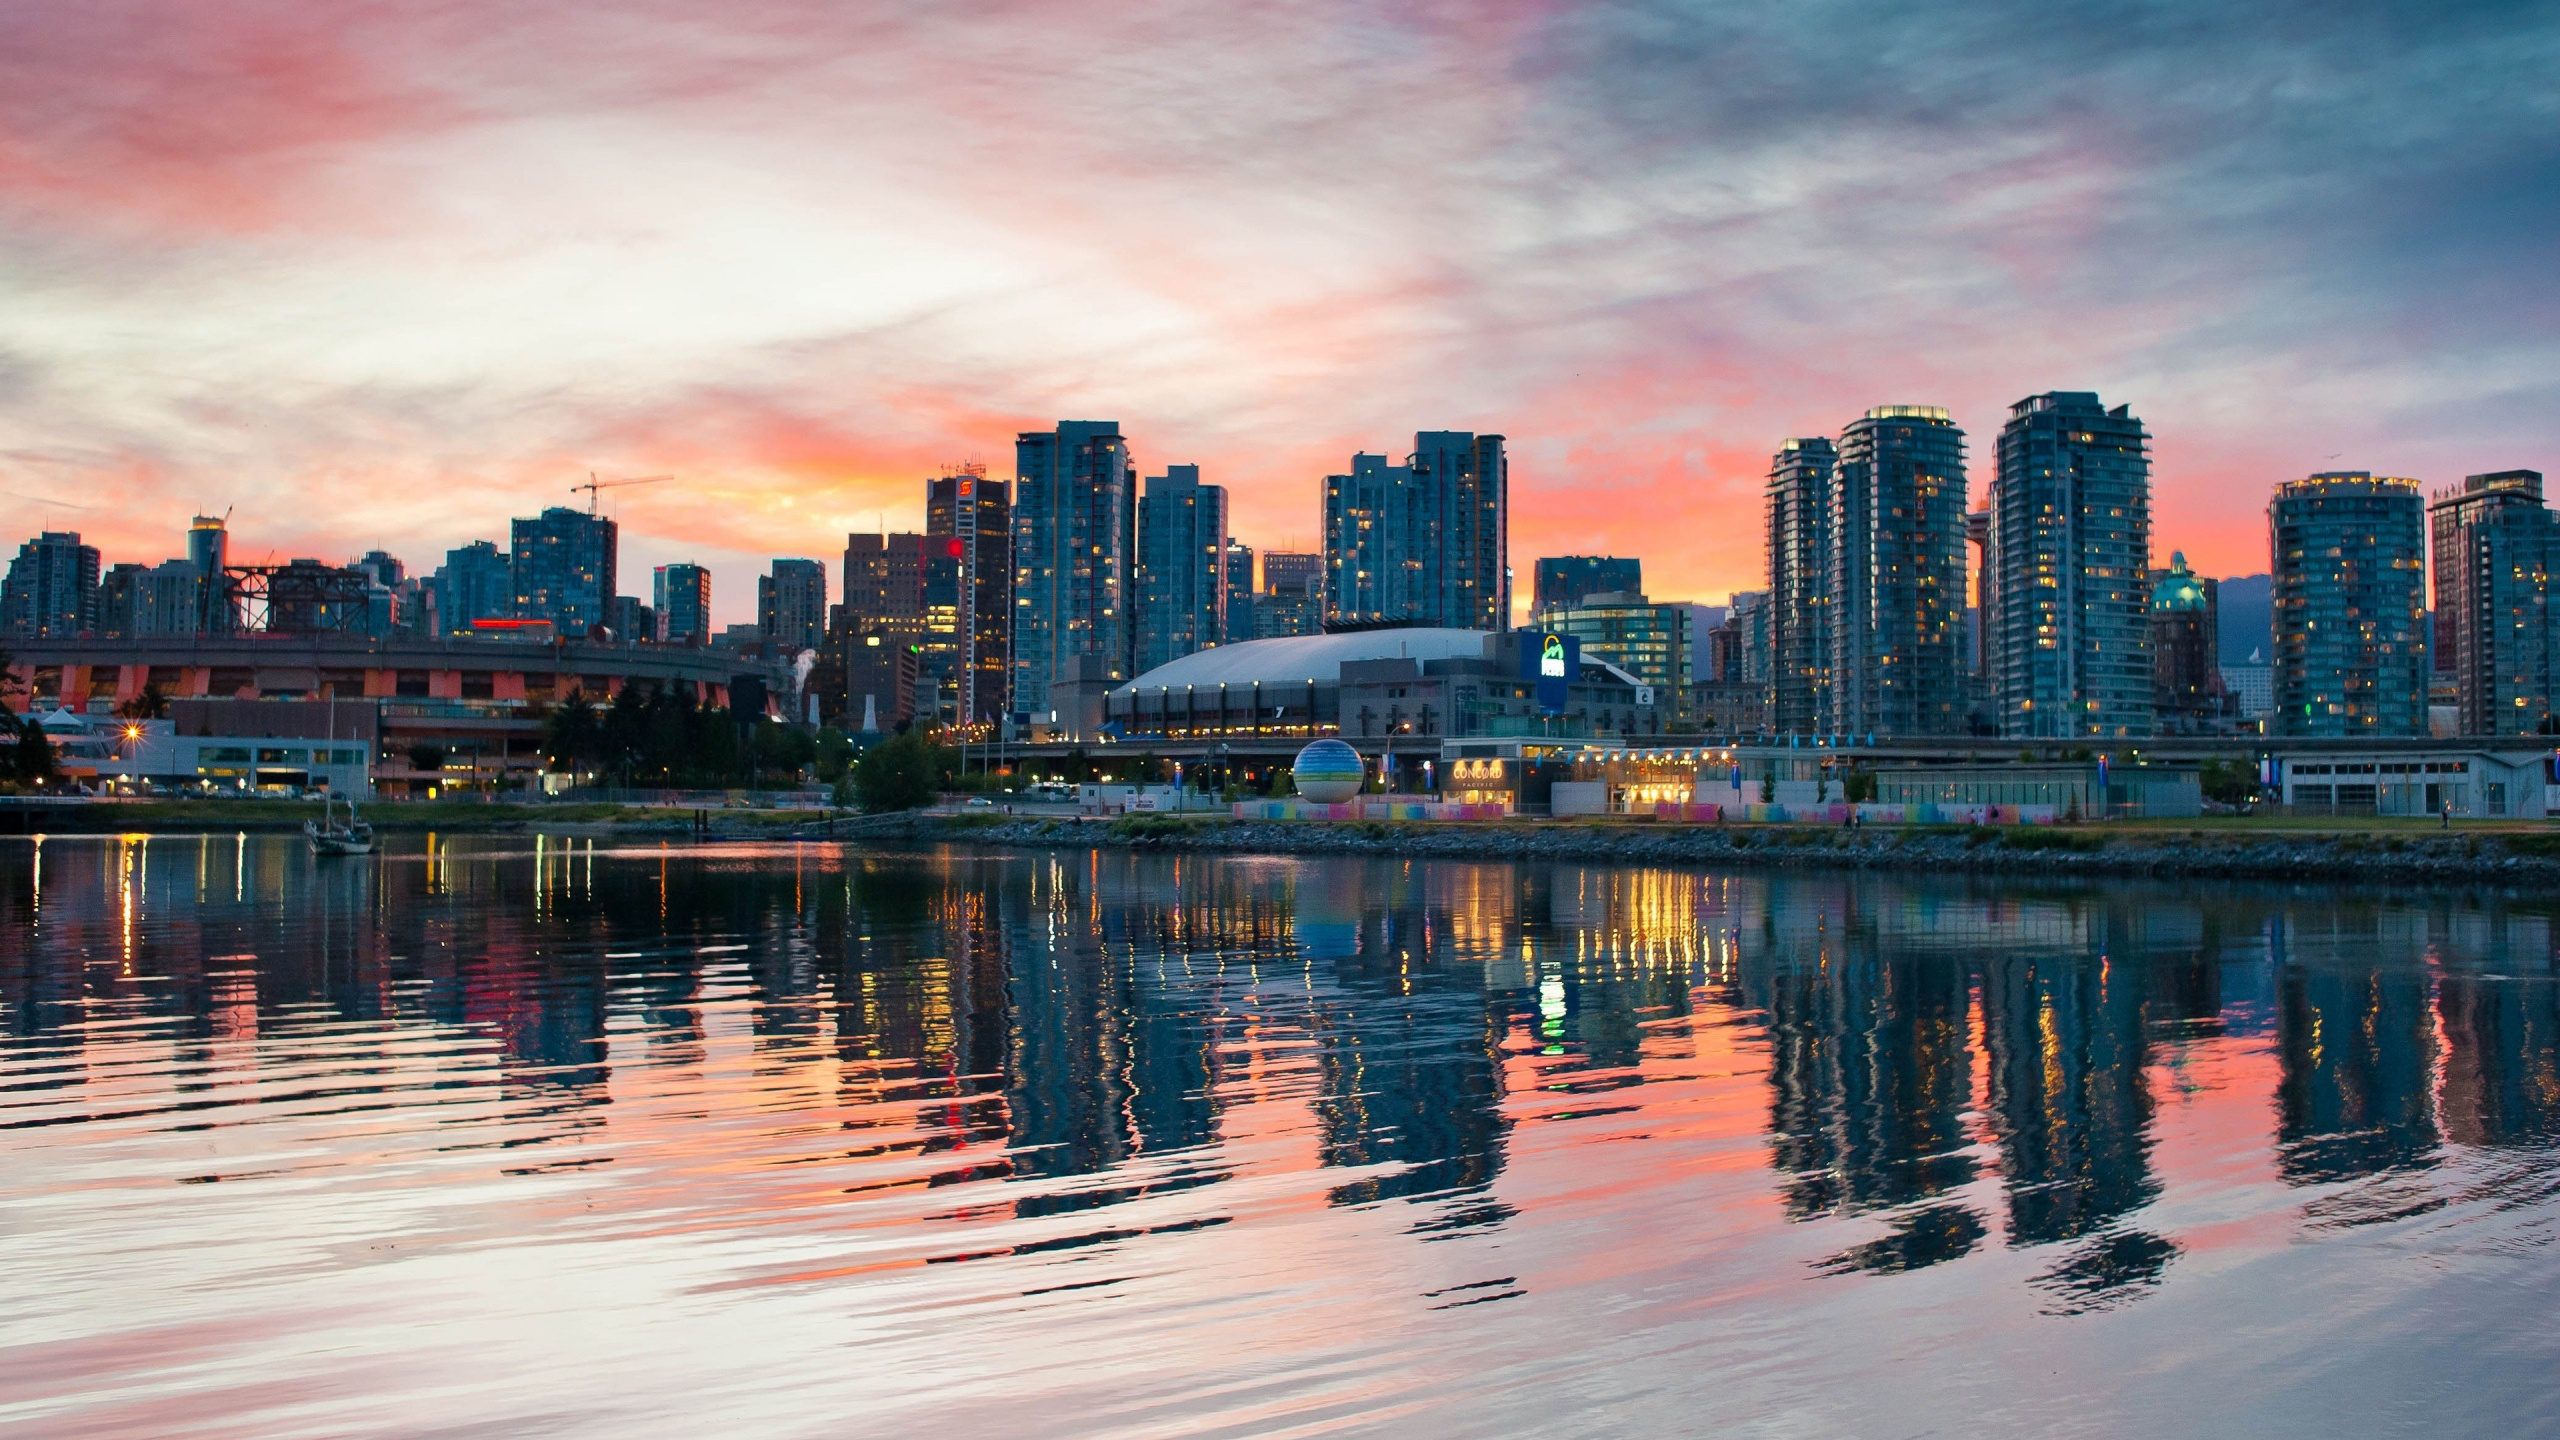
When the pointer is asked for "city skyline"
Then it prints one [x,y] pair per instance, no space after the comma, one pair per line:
[389,277]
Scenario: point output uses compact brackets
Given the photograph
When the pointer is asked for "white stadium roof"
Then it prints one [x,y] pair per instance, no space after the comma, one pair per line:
[1304,659]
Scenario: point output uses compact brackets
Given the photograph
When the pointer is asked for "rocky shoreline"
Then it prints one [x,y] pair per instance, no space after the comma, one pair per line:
[2504,859]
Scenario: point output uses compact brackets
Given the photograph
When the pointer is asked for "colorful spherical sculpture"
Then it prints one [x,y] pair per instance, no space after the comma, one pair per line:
[1328,772]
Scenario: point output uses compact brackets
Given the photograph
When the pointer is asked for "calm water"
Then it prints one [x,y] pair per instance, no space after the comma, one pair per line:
[485,1137]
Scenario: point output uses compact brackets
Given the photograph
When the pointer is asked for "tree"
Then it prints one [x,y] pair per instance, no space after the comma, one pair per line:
[573,734]
[834,752]
[151,704]
[900,773]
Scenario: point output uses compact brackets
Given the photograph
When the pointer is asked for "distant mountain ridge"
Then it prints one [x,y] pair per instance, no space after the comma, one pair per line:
[2246,620]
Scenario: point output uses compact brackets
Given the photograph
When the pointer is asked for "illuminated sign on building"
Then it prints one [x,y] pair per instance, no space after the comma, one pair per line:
[1554,661]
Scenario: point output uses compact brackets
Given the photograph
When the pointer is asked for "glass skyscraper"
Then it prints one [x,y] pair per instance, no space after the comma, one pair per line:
[1075,523]
[1895,590]
[2065,605]
[1564,579]
[967,657]
[1182,571]
[2349,565]
[51,592]
[791,605]
[1798,608]
[2493,559]
[1426,541]
[564,569]
[682,597]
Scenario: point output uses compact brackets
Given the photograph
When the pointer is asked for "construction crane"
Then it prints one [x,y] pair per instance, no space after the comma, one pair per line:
[593,485]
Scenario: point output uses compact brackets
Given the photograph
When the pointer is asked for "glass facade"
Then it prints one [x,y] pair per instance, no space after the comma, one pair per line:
[1425,541]
[2493,557]
[2065,622]
[1895,589]
[1565,579]
[2349,561]
[1075,523]
[681,594]
[1650,642]
[1798,609]
[1182,570]
[967,653]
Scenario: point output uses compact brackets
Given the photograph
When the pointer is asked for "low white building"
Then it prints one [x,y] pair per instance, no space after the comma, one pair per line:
[139,753]
[2473,784]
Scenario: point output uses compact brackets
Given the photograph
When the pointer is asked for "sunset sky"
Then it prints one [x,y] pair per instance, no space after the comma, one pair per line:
[387,274]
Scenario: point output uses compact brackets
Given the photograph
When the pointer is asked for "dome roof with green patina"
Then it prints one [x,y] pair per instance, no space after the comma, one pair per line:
[2178,589]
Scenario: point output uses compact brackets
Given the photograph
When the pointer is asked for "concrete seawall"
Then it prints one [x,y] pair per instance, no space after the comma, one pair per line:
[2503,859]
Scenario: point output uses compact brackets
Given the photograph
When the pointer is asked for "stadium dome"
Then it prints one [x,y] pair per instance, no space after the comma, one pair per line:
[1302,659]
[1329,772]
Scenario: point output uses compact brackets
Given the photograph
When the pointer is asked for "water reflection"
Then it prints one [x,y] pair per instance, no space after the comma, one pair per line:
[901,1061]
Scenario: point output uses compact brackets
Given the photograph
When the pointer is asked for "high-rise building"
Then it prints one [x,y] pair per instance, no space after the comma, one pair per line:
[209,549]
[1564,579]
[1376,540]
[1896,584]
[565,569]
[629,618]
[1748,614]
[791,605]
[117,591]
[2066,615]
[967,655]
[2348,591]
[1292,601]
[477,582]
[2494,553]
[1799,625]
[1465,481]
[2187,693]
[51,592]
[1242,583]
[1074,533]
[681,595]
[884,584]
[1182,567]
[1424,542]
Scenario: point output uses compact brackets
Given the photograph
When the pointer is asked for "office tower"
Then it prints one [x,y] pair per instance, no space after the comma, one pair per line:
[2493,561]
[1242,584]
[209,549]
[1799,497]
[51,592]
[628,618]
[1074,528]
[681,595]
[1748,614]
[884,584]
[967,659]
[2065,620]
[1424,542]
[1465,481]
[1564,579]
[2187,694]
[169,600]
[2348,591]
[117,591]
[565,563]
[1376,543]
[1292,601]
[1648,641]
[791,605]
[384,567]
[477,582]
[1182,570]
[1896,583]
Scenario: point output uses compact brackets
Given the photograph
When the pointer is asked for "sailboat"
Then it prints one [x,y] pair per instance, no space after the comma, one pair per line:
[330,837]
